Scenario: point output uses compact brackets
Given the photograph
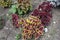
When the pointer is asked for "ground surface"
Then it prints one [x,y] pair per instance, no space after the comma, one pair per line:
[9,32]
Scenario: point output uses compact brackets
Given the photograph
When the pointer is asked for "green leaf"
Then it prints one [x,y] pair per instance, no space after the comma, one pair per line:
[18,36]
[24,11]
[30,7]
[14,6]
[12,10]
[20,12]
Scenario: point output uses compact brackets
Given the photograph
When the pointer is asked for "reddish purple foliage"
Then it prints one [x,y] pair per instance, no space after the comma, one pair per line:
[43,12]
[45,6]
[15,20]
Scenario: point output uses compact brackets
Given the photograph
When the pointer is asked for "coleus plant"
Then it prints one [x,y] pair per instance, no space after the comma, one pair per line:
[43,15]
[31,28]
[25,6]
[43,12]
[15,18]
[21,8]
[5,3]
[45,18]
[45,6]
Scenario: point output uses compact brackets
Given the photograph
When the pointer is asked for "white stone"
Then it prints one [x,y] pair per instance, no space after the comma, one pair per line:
[54,22]
[46,30]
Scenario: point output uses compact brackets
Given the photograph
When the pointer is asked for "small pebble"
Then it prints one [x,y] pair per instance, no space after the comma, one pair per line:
[54,22]
[46,30]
